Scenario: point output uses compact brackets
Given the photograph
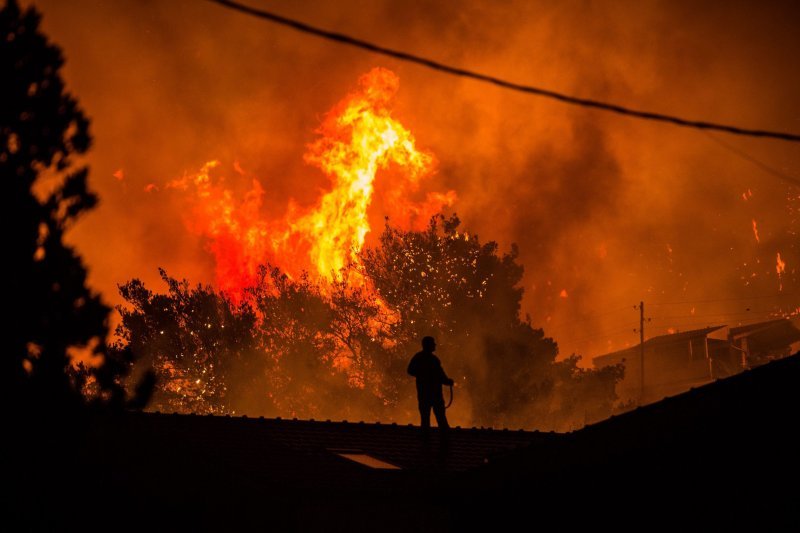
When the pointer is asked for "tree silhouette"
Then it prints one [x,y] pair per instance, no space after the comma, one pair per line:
[299,330]
[362,327]
[53,312]
[275,353]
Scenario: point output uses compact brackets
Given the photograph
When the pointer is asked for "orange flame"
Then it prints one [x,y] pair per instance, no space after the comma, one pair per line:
[357,138]
[755,230]
[780,268]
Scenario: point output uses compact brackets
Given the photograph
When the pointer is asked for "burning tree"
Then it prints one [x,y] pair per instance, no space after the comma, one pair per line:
[300,331]
[362,329]
[277,352]
[199,342]
[357,138]
[309,348]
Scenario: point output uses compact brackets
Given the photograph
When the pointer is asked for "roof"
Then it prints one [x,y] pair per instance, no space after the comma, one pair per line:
[750,328]
[719,454]
[682,336]
[744,397]
[327,441]
[773,334]
[690,458]
[662,340]
[280,474]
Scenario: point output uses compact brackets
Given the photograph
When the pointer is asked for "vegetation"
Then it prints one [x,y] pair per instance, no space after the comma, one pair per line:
[53,312]
[298,348]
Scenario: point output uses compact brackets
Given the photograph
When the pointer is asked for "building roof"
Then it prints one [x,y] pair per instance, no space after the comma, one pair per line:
[772,335]
[690,458]
[207,472]
[716,454]
[768,392]
[331,442]
[682,336]
[758,326]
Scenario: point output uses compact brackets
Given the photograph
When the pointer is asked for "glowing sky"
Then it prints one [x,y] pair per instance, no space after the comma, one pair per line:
[607,211]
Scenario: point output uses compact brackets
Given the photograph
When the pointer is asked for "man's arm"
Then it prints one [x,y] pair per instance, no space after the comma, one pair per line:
[443,377]
[412,367]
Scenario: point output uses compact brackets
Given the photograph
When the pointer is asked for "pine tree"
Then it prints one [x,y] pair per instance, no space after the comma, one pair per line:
[53,312]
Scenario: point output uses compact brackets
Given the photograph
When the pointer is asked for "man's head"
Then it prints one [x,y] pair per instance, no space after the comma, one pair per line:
[428,344]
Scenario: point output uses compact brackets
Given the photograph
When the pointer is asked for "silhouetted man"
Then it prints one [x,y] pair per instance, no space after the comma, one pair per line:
[427,368]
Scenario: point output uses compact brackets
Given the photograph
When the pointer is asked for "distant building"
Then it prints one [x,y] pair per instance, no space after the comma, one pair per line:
[676,362]
[672,364]
[765,341]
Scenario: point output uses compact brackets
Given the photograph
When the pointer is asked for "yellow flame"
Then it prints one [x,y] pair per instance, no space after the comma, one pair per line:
[358,137]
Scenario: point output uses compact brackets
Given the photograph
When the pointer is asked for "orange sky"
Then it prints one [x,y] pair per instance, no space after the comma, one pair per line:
[606,210]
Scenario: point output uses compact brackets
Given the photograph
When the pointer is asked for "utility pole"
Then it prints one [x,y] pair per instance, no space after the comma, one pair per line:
[641,354]
[640,307]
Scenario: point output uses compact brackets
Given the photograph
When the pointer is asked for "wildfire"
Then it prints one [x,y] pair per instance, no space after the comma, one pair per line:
[780,268]
[755,230]
[357,138]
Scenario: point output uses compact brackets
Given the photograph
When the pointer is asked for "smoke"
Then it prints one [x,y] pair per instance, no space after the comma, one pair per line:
[606,211]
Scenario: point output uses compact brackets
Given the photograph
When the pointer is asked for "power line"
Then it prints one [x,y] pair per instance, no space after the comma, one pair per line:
[763,296]
[747,157]
[620,328]
[720,321]
[684,322]
[559,328]
[529,89]
[599,336]
[712,315]
[560,325]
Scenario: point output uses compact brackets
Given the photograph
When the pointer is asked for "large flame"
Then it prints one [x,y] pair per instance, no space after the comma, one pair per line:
[357,138]
[780,268]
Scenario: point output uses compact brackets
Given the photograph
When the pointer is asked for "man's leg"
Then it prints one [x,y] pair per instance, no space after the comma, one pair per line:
[425,415]
[441,417]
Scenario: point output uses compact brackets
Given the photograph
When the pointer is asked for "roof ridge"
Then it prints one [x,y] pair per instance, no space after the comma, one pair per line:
[328,421]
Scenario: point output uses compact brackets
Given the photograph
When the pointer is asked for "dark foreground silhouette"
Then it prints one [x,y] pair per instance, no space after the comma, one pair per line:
[427,368]
[720,456]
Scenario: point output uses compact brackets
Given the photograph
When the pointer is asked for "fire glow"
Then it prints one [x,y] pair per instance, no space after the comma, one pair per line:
[780,268]
[358,138]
